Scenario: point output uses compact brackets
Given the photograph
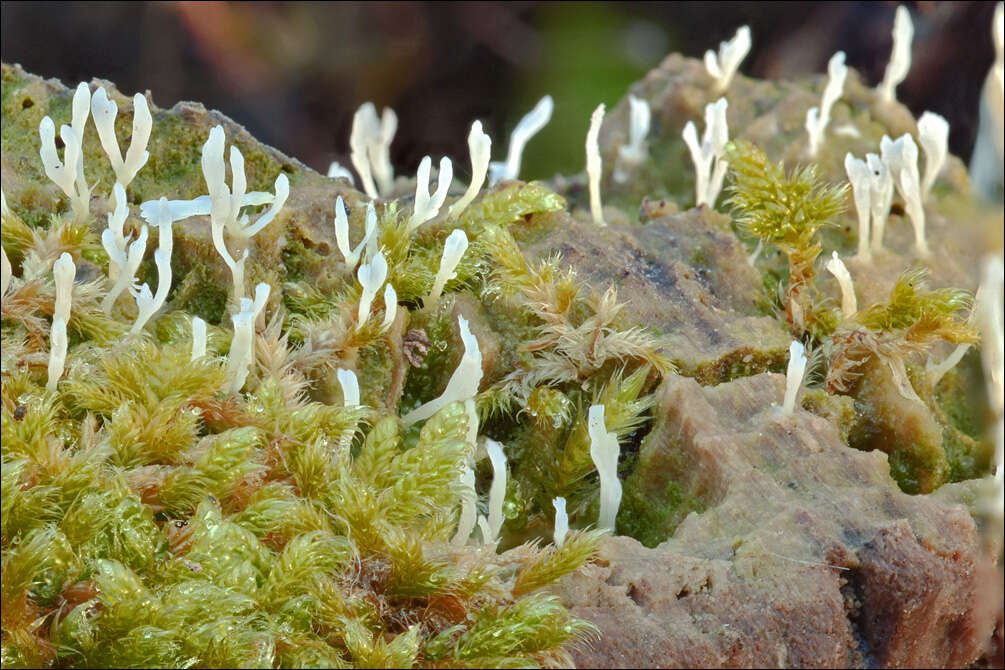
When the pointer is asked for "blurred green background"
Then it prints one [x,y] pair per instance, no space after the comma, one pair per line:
[294,73]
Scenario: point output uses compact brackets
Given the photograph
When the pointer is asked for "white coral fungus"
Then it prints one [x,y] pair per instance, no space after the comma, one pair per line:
[242,346]
[529,125]
[370,147]
[480,147]
[350,387]
[198,338]
[900,58]
[497,492]
[128,263]
[593,164]
[104,111]
[453,251]
[390,307]
[933,135]
[225,204]
[147,304]
[860,177]
[817,119]
[463,384]
[561,521]
[6,272]
[794,375]
[469,509]
[635,152]
[880,198]
[336,171]
[988,314]
[351,255]
[708,179]
[371,277]
[604,450]
[68,174]
[901,157]
[427,206]
[724,65]
[849,305]
[63,272]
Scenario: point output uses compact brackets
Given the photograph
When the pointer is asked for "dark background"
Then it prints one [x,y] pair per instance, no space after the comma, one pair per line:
[294,73]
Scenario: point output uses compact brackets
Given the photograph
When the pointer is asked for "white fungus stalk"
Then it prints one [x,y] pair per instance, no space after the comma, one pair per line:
[104,112]
[371,277]
[880,198]
[350,255]
[58,344]
[364,127]
[350,387]
[817,119]
[724,65]
[988,308]
[6,272]
[336,171]
[242,346]
[711,151]
[636,151]
[127,273]
[63,271]
[198,338]
[849,305]
[370,148]
[900,58]
[529,125]
[901,157]
[463,384]
[593,164]
[469,509]
[68,173]
[453,251]
[794,375]
[933,135]
[604,450]
[147,304]
[936,371]
[427,206]
[390,307]
[379,149]
[114,238]
[480,148]
[497,492]
[861,183]
[225,203]
[561,521]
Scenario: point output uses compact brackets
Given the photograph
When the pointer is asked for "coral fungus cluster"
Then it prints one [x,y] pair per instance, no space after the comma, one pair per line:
[238,447]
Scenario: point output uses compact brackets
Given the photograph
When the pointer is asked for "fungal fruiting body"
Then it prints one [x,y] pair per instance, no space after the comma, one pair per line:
[900,57]
[901,158]
[794,375]
[604,450]
[709,156]
[242,346]
[480,147]
[725,64]
[529,125]
[63,271]
[817,118]
[860,177]
[849,304]
[453,251]
[463,383]
[593,165]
